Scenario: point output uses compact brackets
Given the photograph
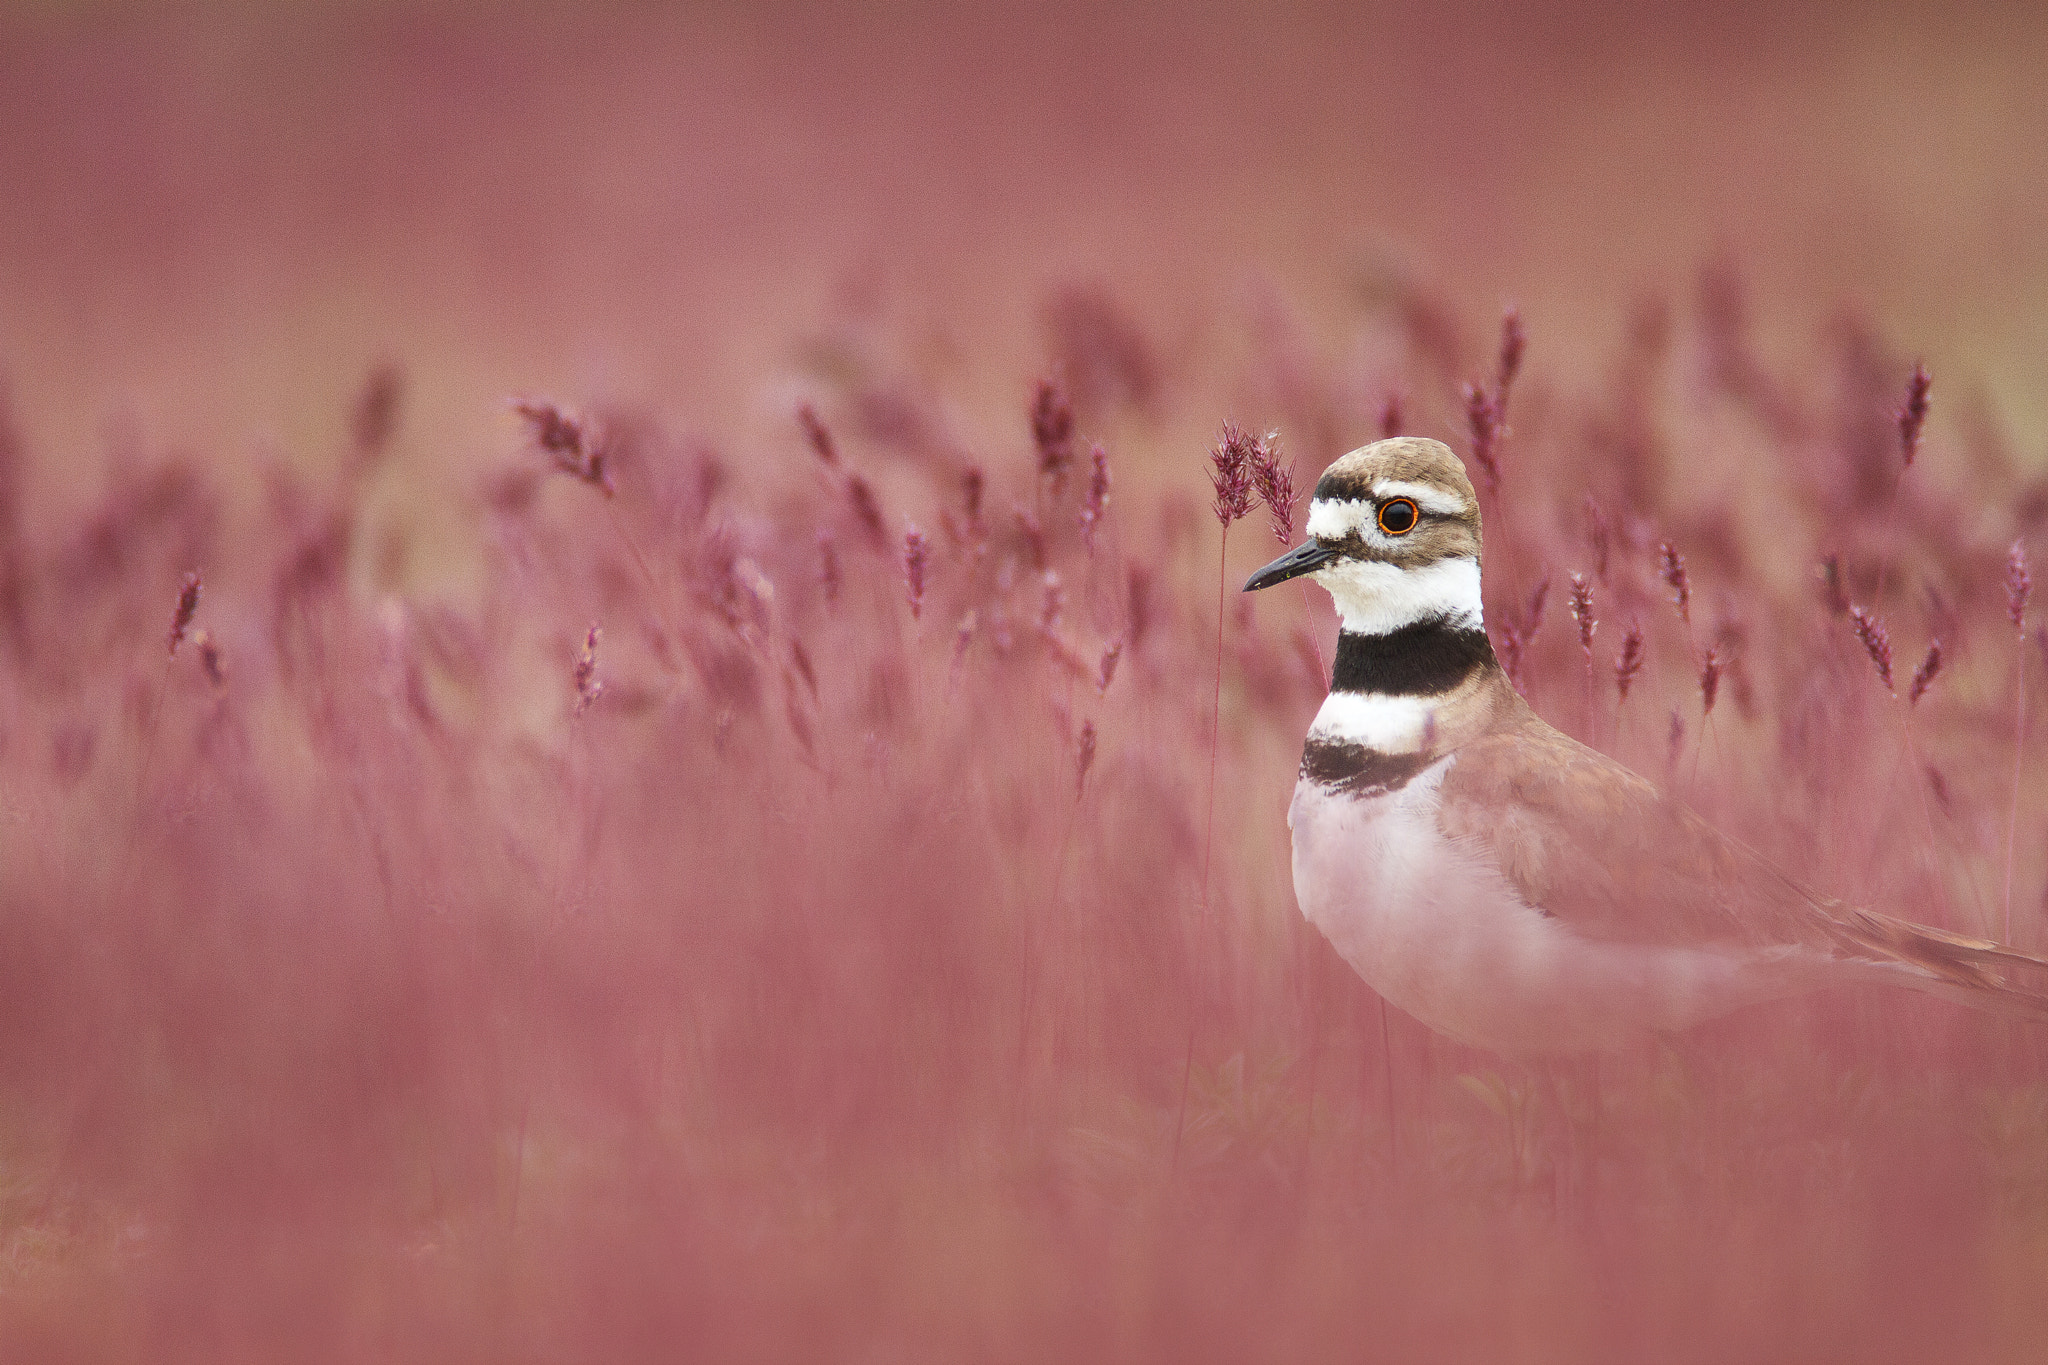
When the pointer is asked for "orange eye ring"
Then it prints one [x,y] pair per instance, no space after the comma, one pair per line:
[1399,516]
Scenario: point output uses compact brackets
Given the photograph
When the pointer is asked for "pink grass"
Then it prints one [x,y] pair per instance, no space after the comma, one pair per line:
[1629,662]
[589,687]
[439,1023]
[1232,467]
[2019,586]
[1876,642]
[916,560]
[1924,675]
[713,982]
[1582,614]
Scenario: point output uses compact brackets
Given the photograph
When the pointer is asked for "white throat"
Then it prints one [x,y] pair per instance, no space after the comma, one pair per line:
[1376,598]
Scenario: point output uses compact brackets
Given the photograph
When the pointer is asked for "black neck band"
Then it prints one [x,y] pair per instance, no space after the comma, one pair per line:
[1424,659]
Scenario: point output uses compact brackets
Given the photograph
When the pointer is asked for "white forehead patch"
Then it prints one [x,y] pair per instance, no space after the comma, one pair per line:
[1334,519]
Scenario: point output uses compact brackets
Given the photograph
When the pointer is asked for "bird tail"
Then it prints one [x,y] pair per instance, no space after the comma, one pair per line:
[1971,971]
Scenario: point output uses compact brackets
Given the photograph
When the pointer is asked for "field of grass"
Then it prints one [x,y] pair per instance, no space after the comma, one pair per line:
[601,870]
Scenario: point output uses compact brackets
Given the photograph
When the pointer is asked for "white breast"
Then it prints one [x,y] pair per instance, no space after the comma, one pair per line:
[1388,724]
[1440,933]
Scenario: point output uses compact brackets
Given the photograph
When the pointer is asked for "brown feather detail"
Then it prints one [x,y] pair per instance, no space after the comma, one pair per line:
[1972,963]
[1601,849]
[1411,459]
[1598,848]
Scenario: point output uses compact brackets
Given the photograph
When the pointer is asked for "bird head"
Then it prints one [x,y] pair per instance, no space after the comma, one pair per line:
[1393,535]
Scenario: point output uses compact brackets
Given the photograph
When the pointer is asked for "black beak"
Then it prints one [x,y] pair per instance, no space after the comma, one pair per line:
[1304,558]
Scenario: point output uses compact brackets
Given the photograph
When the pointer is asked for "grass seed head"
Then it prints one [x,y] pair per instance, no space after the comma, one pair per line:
[973,488]
[867,508]
[963,636]
[828,566]
[574,443]
[1600,537]
[1834,586]
[1105,672]
[1913,413]
[589,687]
[1673,564]
[1053,604]
[801,659]
[1232,464]
[1033,532]
[1097,501]
[210,659]
[1273,481]
[188,605]
[1482,420]
[1629,662]
[1877,643]
[818,434]
[374,421]
[1923,676]
[1513,341]
[916,554]
[2019,585]
[1052,432]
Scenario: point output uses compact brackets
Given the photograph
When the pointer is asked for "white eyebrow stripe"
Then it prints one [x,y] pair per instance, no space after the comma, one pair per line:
[1334,519]
[1427,498]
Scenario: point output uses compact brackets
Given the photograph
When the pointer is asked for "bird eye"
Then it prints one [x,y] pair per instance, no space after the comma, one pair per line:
[1398,516]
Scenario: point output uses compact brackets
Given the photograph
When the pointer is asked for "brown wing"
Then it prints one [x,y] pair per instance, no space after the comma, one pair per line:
[1589,842]
[1586,840]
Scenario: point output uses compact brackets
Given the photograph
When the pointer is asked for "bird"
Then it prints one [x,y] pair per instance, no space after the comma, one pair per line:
[1510,887]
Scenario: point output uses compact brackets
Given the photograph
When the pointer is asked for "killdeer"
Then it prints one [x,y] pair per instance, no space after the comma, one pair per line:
[1503,883]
